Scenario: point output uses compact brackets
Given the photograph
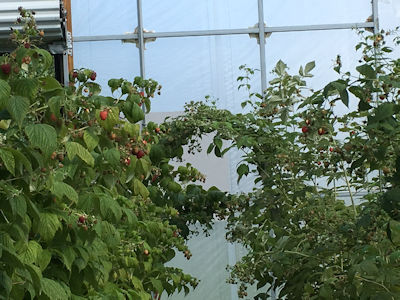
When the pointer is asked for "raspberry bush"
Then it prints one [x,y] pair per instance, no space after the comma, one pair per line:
[90,205]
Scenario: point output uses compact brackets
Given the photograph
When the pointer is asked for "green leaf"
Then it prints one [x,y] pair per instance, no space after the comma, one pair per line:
[367,71]
[61,189]
[112,156]
[109,207]
[75,149]
[8,159]
[210,148]
[218,142]
[44,259]
[46,56]
[140,189]
[5,285]
[112,118]
[309,67]
[5,91]
[42,136]
[137,113]
[137,283]
[243,169]
[341,88]
[26,87]
[47,226]
[132,129]
[280,68]
[157,285]
[30,252]
[50,84]
[68,256]
[18,206]
[91,140]
[157,153]
[21,161]
[53,289]
[55,104]
[18,107]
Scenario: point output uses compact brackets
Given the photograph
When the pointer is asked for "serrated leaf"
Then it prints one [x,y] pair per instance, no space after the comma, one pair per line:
[30,252]
[76,149]
[5,91]
[140,189]
[309,67]
[157,153]
[132,129]
[157,284]
[68,256]
[55,104]
[20,160]
[5,284]
[61,189]
[109,207]
[49,84]
[367,71]
[53,289]
[26,87]
[18,107]
[112,156]
[91,140]
[18,206]
[42,136]
[44,259]
[46,56]
[8,160]
[137,113]
[47,226]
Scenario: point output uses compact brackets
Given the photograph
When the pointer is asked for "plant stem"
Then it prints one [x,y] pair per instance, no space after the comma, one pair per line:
[349,189]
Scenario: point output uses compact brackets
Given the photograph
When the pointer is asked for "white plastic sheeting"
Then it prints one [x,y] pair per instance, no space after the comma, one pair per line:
[192,67]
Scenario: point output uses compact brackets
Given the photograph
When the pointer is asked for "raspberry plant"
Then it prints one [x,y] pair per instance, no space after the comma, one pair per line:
[309,233]
[89,202]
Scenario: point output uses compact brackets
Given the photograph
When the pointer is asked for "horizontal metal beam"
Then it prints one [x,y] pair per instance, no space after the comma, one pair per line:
[221,32]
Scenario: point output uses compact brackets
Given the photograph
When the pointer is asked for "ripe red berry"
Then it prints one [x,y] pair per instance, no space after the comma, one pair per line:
[93,76]
[127,161]
[74,74]
[330,149]
[382,97]
[82,219]
[53,117]
[140,154]
[27,45]
[6,68]
[141,94]
[321,131]
[157,130]
[305,129]
[104,114]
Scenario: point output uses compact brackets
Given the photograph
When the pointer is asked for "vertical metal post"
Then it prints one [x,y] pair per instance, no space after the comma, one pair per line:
[261,33]
[141,47]
[375,16]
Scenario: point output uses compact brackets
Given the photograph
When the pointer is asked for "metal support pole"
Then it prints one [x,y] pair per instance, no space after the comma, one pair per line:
[261,32]
[375,16]
[141,48]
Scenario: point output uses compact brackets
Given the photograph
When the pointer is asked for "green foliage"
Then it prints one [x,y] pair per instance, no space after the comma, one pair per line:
[88,199]
[308,233]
